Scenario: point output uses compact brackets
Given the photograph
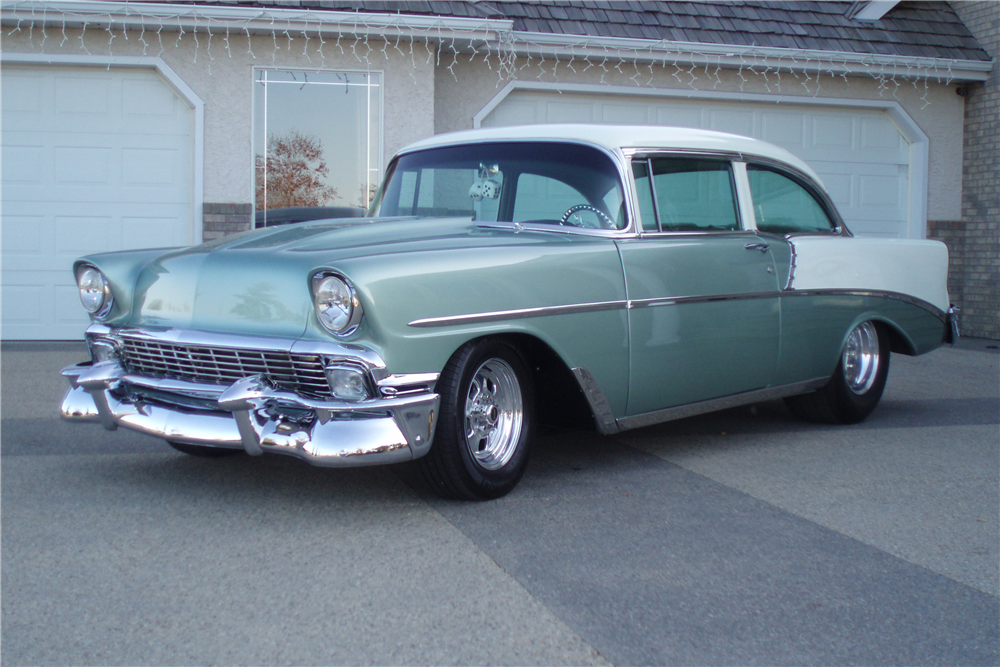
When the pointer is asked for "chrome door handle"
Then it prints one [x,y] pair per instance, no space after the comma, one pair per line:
[756,246]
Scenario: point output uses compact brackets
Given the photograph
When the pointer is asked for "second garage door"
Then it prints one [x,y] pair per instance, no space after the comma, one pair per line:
[860,155]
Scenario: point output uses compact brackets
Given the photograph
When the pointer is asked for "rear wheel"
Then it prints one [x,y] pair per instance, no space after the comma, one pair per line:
[480,447]
[203,451]
[856,386]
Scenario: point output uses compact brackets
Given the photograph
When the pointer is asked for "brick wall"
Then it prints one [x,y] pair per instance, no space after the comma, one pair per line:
[974,242]
[224,219]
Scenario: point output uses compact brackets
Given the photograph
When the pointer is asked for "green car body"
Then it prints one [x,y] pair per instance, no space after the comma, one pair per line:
[634,322]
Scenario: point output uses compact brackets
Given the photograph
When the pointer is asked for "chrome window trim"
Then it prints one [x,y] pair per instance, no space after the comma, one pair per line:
[518,227]
[617,157]
[648,154]
[810,185]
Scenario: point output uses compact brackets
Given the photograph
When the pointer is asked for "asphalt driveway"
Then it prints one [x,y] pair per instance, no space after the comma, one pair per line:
[739,538]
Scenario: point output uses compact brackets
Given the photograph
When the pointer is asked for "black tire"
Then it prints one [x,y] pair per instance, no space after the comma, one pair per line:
[203,451]
[853,391]
[480,451]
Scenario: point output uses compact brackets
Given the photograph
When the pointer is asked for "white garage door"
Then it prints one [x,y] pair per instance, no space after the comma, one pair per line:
[860,155]
[93,160]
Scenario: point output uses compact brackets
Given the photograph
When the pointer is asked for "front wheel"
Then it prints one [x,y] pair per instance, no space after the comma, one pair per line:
[480,448]
[856,386]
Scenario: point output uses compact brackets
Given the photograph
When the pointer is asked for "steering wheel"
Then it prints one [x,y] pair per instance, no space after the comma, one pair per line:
[603,220]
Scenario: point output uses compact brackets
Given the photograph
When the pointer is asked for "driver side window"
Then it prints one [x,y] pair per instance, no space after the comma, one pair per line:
[539,198]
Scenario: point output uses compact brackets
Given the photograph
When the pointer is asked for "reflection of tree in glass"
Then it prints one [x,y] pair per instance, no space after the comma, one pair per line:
[364,200]
[294,171]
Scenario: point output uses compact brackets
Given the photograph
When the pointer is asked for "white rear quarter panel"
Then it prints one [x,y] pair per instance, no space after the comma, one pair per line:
[915,268]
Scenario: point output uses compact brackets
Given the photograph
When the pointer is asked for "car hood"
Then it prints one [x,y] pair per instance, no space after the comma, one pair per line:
[258,283]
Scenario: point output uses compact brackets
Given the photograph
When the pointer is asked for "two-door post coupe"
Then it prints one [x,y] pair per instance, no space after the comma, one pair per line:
[503,276]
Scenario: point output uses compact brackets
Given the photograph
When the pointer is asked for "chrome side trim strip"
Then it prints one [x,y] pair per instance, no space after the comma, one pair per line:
[516,314]
[670,300]
[605,420]
[733,401]
[881,294]
[520,313]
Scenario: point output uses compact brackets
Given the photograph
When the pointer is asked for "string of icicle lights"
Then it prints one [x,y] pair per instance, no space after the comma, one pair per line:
[509,56]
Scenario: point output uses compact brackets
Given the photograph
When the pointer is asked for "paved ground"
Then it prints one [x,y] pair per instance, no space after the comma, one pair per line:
[738,538]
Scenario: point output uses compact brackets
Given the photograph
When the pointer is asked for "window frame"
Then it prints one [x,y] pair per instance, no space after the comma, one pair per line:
[729,159]
[809,185]
[622,166]
[380,167]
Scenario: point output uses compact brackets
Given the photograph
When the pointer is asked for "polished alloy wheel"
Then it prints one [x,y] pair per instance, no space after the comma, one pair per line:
[493,414]
[861,358]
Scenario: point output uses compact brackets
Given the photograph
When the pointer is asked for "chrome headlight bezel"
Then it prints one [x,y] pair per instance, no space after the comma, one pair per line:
[335,303]
[94,291]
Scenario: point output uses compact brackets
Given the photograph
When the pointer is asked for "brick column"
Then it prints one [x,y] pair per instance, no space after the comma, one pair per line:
[224,219]
[974,242]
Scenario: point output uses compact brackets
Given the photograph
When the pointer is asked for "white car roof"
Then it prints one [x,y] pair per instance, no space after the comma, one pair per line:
[617,137]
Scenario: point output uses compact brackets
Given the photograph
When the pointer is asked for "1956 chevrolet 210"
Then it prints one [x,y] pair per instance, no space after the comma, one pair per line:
[636,274]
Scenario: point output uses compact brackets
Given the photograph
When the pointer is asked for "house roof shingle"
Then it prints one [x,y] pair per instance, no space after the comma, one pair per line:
[914,28]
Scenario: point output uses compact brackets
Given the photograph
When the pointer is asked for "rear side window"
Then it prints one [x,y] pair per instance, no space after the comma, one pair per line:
[782,206]
[688,194]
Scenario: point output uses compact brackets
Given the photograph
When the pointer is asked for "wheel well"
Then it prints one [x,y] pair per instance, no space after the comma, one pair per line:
[559,400]
[898,342]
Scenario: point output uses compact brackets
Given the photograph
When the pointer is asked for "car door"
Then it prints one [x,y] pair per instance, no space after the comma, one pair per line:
[702,290]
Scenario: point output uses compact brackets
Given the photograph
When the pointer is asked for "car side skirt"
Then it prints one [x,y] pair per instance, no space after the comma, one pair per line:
[608,425]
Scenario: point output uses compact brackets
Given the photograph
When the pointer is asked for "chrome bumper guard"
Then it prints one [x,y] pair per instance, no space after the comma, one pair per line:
[254,416]
[952,334]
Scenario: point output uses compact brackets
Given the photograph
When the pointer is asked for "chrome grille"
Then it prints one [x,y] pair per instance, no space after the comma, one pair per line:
[302,373]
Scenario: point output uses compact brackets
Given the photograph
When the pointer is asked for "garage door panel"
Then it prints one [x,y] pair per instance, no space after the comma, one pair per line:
[733,121]
[24,164]
[94,160]
[784,129]
[78,164]
[22,98]
[571,112]
[679,116]
[26,303]
[624,114]
[23,235]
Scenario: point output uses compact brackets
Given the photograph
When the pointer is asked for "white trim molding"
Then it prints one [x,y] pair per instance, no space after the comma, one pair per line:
[181,89]
[916,220]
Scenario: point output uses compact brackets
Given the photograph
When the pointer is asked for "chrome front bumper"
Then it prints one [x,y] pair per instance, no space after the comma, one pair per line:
[253,416]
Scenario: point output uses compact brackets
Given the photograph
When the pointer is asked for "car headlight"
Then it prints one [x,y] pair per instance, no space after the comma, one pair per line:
[337,306]
[95,292]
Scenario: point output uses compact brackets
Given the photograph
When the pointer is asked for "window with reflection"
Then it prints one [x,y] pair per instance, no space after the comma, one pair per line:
[316,142]
[687,194]
[783,206]
[544,183]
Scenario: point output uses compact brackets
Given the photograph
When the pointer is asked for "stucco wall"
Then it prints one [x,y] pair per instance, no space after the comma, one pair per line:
[458,99]
[225,83]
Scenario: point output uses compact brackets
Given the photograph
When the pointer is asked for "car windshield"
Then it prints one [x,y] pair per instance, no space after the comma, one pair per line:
[532,182]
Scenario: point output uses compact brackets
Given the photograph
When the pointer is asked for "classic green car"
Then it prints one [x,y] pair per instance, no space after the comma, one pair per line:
[629,274]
